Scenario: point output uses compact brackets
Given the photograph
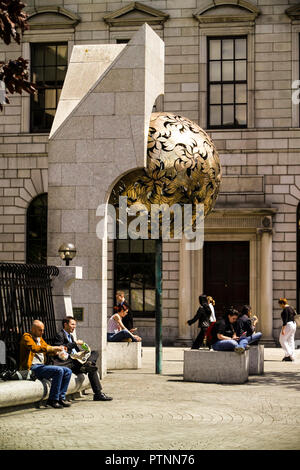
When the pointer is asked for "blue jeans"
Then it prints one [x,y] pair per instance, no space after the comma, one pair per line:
[117,337]
[60,379]
[231,344]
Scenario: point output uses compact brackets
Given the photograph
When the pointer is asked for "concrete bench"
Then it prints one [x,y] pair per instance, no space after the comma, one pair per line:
[23,392]
[203,365]
[124,355]
[256,360]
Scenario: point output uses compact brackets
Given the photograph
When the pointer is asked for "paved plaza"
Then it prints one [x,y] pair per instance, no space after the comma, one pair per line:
[161,412]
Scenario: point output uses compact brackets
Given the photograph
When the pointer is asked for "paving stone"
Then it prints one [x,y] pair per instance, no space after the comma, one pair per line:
[163,412]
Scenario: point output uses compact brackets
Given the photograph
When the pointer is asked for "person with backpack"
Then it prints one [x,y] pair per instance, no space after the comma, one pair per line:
[288,330]
[203,316]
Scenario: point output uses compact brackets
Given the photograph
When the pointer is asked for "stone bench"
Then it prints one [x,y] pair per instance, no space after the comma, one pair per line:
[203,365]
[23,392]
[256,360]
[124,355]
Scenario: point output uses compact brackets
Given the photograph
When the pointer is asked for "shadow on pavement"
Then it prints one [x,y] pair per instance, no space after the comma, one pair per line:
[290,380]
[287,379]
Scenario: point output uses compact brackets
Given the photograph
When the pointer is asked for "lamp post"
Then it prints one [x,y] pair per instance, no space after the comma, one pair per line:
[67,252]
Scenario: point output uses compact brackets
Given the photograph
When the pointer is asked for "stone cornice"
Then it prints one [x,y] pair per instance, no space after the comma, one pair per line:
[147,15]
[60,18]
[293,12]
[249,12]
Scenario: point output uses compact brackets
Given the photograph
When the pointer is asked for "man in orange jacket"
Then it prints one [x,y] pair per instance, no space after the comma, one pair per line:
[33,351]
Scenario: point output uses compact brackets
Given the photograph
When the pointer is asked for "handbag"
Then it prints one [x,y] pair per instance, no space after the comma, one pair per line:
[297,319]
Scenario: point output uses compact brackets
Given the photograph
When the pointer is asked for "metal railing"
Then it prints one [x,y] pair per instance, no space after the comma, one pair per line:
[25,295]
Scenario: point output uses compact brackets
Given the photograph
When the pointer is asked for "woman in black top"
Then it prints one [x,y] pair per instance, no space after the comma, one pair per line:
[245,325]
[202,315]
[288,330]
[224,336]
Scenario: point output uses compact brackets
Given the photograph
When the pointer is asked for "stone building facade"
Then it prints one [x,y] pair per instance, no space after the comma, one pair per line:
[230,66]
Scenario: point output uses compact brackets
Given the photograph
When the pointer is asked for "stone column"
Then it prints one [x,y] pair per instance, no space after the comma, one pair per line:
[61,290]
[266,286]
[197,286]
[185,296]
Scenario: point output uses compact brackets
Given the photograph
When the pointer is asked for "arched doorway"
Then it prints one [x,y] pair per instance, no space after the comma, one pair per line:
[137,267]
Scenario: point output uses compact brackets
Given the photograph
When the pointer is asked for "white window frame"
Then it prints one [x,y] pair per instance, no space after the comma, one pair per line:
[295,73]
[63,31]
[222,31]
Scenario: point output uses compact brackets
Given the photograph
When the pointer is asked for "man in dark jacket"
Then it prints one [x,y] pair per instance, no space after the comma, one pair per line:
[65,338]
[202,315]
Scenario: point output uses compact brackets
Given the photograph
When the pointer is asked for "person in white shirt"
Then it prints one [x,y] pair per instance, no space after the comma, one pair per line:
[211,304]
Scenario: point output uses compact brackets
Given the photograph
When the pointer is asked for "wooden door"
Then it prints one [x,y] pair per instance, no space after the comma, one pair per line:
[226,274]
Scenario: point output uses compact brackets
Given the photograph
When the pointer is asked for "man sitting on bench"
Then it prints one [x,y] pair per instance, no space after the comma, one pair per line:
[65,338]
[33,351]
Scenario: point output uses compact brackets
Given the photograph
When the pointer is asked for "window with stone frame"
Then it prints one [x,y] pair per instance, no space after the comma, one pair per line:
[48,68]
[36,230]
[134,273]
[298,257]
[227,82]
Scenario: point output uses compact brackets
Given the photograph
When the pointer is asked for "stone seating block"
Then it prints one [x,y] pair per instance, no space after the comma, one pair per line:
[124,355]
[256,360]
[22,392]
[228,367]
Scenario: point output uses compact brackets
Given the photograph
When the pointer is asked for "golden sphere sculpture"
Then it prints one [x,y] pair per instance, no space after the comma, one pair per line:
[183,160]
[183,167]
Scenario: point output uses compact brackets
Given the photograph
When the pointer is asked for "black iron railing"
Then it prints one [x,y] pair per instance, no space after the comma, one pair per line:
[25,295]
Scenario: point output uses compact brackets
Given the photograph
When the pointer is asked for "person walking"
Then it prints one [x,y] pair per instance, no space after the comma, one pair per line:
[212,304]
[203,315]
[288,330]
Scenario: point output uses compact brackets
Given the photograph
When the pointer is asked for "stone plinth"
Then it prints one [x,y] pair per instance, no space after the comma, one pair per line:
[256,360]
[124,355]
[61,290]
[202,365]
[22,392]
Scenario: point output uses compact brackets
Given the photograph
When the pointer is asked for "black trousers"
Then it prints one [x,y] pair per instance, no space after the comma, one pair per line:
[93,376]
[199,340]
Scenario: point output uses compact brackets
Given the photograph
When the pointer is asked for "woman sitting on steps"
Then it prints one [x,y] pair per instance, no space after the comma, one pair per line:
[116,331]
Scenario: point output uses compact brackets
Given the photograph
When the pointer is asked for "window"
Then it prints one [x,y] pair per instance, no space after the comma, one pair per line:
[36,236]
[298,257]
[49,66]
[134,273]
[227,82]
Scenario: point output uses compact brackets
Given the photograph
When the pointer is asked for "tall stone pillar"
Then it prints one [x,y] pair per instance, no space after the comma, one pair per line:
[100,133]
[266,287]
[185,296]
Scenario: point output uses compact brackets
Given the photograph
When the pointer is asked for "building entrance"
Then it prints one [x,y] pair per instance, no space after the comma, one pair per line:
[226,274]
